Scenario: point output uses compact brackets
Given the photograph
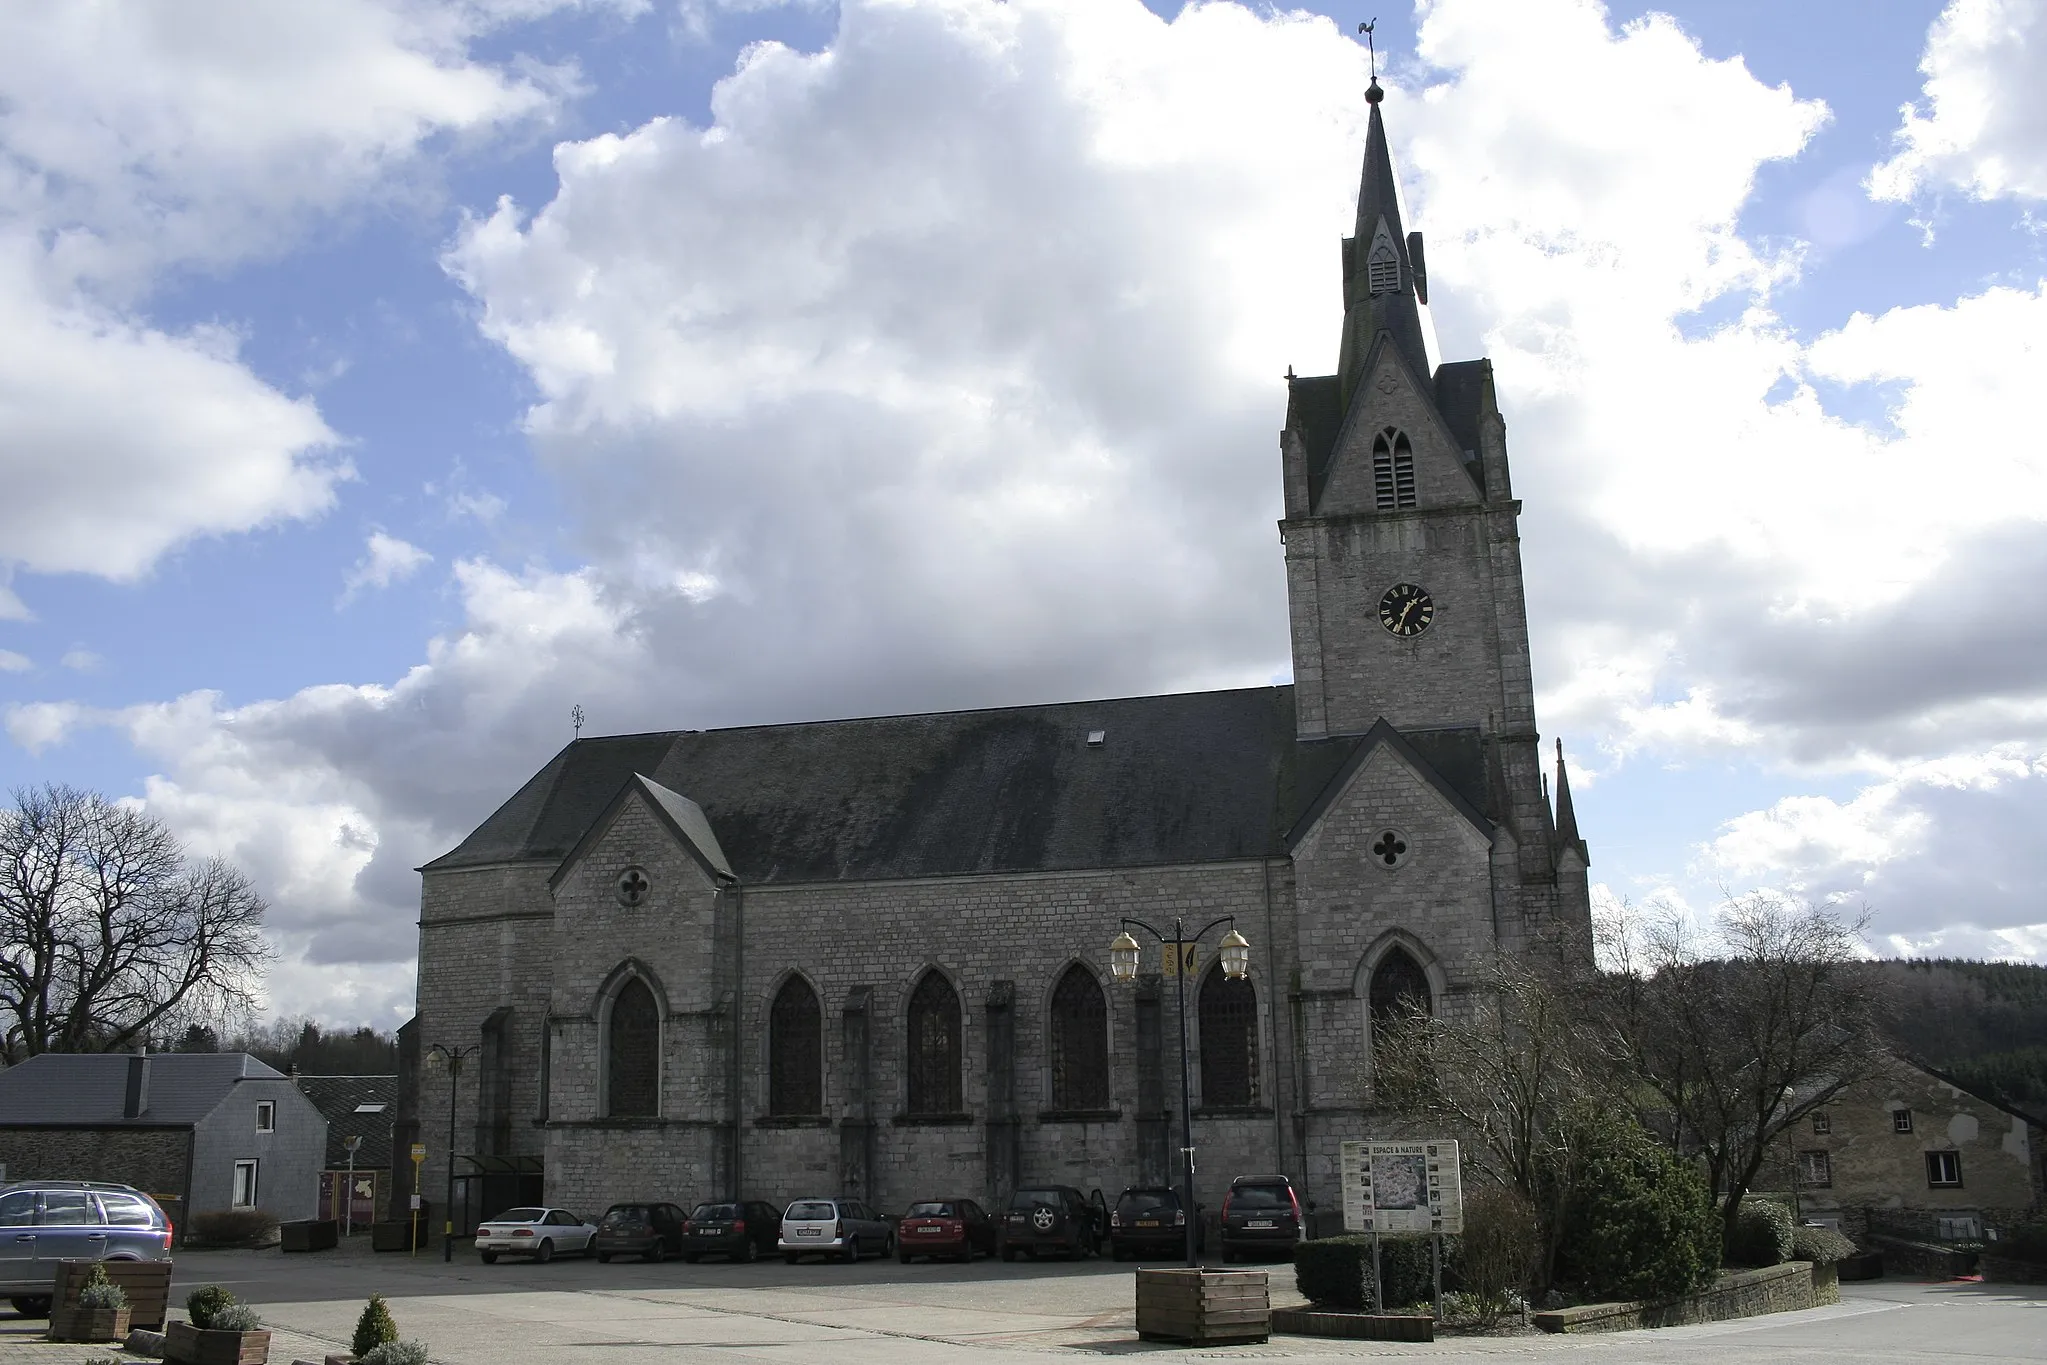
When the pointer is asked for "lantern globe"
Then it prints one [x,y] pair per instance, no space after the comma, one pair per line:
[1123,955]
[1236,955]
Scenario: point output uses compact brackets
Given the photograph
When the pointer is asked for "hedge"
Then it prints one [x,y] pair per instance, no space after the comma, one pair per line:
[1641,1223]
[1763,1234]
[1336,1272]
[1821,1246]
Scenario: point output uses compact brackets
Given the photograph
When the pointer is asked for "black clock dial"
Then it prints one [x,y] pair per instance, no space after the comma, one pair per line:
[1406,609]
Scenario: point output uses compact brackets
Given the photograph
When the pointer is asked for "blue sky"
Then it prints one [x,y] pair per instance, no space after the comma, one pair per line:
[385,379]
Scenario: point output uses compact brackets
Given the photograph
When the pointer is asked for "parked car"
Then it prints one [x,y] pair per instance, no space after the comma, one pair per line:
[1053,1218]
[740,1230]
[542,1234]
[1150,1220]
[43,1222]
[945,1227]
[648,1231]
[1261,1216]
[846,1228]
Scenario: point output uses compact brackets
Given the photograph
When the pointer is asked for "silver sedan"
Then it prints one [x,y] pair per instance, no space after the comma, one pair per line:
[539,1233]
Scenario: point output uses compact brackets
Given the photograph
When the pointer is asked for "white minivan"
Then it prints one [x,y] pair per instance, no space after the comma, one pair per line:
[844,1228]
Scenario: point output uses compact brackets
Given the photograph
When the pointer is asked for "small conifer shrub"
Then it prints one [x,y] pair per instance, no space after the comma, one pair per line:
[374,1328]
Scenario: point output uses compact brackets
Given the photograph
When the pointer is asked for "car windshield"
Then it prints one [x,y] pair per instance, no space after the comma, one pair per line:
[931,1210]
[626,1213]
[1259,1197]
[1141,1202]
[520,1216]
[713,1213]
[812,1211]
[1033,1199]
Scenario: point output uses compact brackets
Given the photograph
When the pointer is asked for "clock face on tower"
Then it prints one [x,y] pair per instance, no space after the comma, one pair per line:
[1406,609]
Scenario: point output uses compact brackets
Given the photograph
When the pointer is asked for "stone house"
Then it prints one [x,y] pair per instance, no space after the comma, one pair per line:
[199,1131]
[869,956]
[1914,1152]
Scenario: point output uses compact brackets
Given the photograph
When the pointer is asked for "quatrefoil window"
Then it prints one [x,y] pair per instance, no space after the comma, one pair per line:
[1390,848]
[633,886]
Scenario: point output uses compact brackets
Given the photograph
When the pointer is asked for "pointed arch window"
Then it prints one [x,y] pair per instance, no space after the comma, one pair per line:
[1079,1042]
[1382,266]
[1229,1041]
[1399,989]
[1392,470]
[632,1053]
[934,1047]
[795,1050]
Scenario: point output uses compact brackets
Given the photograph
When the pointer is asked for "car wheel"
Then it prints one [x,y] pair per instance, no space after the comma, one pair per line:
[544,1252]
[1009,1253]
[747,1251]
[32,1305]
[1117,1253]
[658,1252]
[691,1257]
[604,1258]
[489,1257]
[888,1247]
[790,1258]
[903,1256]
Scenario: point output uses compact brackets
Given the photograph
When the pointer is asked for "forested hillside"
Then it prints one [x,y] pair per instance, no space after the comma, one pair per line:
[1985,1023]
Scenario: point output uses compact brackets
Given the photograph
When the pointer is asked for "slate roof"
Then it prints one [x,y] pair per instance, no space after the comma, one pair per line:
[1315,410]
[337,1098]
[89,1090]
[1185,778]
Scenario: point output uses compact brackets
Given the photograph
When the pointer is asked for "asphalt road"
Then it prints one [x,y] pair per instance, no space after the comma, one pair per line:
[576,1312]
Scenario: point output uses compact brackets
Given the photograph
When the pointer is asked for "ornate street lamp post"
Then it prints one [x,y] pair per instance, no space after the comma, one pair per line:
[1235,952]
[437,1054]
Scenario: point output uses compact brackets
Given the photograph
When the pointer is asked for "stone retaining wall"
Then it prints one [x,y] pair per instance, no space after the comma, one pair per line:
[1739,1294]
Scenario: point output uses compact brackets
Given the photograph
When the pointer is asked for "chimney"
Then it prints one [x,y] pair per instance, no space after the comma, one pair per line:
[137,1099]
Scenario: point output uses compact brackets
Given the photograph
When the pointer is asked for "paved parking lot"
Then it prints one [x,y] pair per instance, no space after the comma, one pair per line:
[576,1312]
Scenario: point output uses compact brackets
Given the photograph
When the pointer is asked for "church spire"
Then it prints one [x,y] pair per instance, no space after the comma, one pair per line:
[1384,277]
[1567,816]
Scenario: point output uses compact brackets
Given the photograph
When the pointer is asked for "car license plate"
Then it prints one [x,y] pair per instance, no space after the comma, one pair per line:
[808,1232]
[1259,1223]
[709,1232]
[1147,1222]
[929,1232]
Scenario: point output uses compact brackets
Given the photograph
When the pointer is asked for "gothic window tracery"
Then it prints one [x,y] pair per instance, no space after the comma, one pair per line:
[934,1047]
[1392,470]
[1079,1042]
[632,1053]
[1228,1011]
[795,1050]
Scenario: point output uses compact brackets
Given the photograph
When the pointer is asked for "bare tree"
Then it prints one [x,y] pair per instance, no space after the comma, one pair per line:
[1518,1076]
[1742,1032]
[109,933]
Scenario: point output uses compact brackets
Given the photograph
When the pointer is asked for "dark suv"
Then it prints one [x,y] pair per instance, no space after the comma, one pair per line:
[1262,1216]
[1149,1221]
[648,1231]
[740,1231]
[1053,1218]
[43,1222]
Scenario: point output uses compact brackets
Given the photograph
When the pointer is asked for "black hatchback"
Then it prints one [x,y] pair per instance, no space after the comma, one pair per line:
[1053,1218]
[740,1230]
[648,1231]
[1261,1216]
[1149,1221]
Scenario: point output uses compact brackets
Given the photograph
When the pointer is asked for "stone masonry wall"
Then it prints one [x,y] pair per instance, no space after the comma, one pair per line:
[153,1160]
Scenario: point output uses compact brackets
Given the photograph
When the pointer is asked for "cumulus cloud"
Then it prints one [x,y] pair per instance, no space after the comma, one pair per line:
[81,660]
[386,560]
[11,662]
[1982,126]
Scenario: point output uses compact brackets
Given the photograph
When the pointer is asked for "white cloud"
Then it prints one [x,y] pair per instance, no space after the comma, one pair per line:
[81,660]
[11,662]
[386,560]
[1983,126]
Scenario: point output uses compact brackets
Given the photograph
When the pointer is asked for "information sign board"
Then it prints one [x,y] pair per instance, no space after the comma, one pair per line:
[1392,1188]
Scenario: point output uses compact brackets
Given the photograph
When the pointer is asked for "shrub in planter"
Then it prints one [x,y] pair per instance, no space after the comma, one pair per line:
[1821,1246]
[1641,1224]
[374,1328]
[1335,1272]
[396,1353]
[100,1292]
[236,1317]
[1763,1233]
[234,1227]
[203,1303]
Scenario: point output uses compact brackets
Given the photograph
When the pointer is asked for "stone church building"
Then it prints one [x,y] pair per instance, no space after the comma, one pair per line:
[870,957]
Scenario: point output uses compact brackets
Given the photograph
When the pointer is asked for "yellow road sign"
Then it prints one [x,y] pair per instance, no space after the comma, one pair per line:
[418,1153]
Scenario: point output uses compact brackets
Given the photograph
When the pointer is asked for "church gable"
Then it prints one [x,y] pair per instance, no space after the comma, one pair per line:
[1395,451]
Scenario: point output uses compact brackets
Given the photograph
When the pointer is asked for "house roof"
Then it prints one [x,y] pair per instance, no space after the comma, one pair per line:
[89,1090]
[341,1101]
[1188,777]
[1988,1097]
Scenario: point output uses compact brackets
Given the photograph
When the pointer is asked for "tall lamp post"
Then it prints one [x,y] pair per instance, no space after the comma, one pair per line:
[1235,952]
[453,1058]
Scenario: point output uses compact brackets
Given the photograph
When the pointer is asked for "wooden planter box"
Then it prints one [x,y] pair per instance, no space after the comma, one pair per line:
[396,1236]
[313,1234]
[1203,1307]
[187,1345]
[88,1324]
[146,1283]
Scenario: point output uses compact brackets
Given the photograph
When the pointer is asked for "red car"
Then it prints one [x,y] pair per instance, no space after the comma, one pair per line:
[956,1228]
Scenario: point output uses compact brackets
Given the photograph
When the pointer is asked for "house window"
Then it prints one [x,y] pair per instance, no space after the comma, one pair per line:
[1821,1125]
[633,1053]
[1943,1168]
[1079,1042]
[245,1185]
[1901,1120]
[1392,471]
[1229,1042]
[266,1116]
[795,1041]
[1815,1170]
[935,1047]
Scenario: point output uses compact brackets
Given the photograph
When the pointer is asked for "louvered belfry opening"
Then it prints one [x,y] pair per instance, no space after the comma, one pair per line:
[1382,269]
[1079,1042]
[935,1047]
[1392,470]
[1229,1042]
[795,1044]
[633,1053]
